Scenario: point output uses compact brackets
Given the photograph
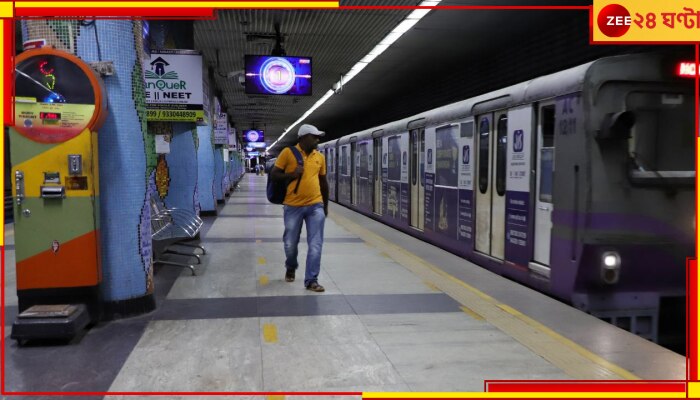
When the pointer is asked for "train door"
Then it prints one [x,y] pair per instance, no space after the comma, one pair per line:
[329,172]
[368,163]
[353,173]
[417,167]
[334,175]
[343,193]
[545,179]
[491,184]
[376,160]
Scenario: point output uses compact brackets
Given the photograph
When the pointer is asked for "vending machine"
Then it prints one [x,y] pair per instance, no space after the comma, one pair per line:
[59,105]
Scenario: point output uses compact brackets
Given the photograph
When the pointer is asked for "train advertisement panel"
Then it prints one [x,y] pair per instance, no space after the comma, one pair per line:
[466,181]
[445,195]
[518,243]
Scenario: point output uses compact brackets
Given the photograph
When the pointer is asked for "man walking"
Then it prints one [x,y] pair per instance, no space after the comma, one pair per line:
[309,203]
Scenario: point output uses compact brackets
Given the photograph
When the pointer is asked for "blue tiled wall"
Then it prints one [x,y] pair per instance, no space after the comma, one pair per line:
[205,158]
[124,216]
[218,174]
[182,164]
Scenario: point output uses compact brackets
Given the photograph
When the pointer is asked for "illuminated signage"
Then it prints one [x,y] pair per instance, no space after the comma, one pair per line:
[253,135]
[688,69]
[49,115]
[278,75]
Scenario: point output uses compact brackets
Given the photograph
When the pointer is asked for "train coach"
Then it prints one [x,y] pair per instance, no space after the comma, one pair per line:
[579,184]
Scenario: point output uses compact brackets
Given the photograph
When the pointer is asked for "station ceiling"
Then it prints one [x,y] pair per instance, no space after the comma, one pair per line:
[449,55]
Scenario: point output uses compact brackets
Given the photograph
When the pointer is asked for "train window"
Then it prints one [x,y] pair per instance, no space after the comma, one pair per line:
[546,161]
[501,150]
[394,159]
[547,115]
[484,148]
[467,130]
[344,161]
[546,174]
[657,137]
[414,156]
[446,156]
[364,160]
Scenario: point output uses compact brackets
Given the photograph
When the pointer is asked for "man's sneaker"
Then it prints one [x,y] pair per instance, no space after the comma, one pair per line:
[315,287]
[289,276]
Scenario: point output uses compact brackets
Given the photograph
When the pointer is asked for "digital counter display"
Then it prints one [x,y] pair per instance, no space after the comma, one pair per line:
[50,116]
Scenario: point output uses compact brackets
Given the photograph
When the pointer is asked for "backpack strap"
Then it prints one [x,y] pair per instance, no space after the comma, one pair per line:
[300,162]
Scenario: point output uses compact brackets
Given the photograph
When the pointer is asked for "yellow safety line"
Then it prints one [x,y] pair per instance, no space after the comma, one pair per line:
[431,286]
[264,280]
[532,334]
[270,333]
[261,261]
[471,313]
[574,346]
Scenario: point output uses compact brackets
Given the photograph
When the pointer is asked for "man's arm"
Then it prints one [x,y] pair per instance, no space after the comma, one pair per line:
[324,192]
[278,173]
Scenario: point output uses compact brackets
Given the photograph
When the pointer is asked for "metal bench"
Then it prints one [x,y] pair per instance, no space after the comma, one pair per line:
[174,226]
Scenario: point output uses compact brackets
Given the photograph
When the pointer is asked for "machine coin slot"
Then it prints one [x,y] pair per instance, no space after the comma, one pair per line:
[75,164]
[19,186]
[52,177]
[53,192]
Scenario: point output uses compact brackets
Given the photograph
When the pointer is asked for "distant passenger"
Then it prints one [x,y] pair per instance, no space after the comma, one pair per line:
[269,164]
[309,203]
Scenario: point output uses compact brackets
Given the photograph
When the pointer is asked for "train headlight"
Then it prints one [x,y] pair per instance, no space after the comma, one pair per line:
[610,267]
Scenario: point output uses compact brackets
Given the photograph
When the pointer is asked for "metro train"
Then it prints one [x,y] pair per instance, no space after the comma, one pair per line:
[580,184]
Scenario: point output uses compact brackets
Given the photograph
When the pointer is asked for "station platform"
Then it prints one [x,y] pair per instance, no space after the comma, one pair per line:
[397,315]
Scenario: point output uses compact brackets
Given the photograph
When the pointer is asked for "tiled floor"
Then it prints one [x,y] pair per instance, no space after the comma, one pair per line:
[237,326]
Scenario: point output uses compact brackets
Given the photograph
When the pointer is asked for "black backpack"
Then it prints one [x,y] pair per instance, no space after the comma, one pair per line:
[277,188]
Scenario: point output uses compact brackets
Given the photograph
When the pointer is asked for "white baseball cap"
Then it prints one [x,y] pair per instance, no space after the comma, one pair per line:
[307,129]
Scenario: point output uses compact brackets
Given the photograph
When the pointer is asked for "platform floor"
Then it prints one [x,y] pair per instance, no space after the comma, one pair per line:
[397,315]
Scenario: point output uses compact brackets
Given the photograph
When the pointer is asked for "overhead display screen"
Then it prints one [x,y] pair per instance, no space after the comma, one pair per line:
[254,135]
[277,75]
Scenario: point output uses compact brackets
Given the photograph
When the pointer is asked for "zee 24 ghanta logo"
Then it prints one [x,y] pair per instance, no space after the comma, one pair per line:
[614,20]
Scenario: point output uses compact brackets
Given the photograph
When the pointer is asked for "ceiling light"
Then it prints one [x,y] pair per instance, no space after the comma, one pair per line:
[383,44]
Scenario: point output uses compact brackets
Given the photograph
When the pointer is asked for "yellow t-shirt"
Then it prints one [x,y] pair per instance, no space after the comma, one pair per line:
[309,191]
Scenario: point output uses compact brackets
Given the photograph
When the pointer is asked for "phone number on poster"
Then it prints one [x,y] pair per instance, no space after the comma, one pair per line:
[173,115]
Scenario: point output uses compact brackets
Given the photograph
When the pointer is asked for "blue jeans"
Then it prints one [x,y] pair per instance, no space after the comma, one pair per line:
[315,219]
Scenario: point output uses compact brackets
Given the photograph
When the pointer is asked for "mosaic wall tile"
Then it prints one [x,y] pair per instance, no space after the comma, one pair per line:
[61,34]
[218,173]
[205,171]
[182,164]
[124,218]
